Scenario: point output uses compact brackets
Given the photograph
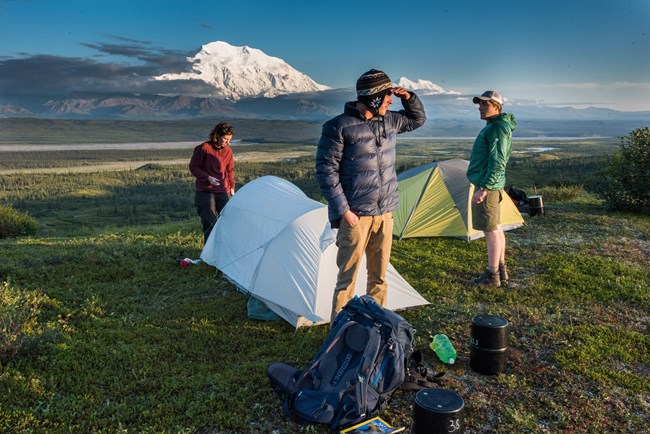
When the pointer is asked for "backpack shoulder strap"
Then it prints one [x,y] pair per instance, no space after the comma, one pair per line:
[419,375]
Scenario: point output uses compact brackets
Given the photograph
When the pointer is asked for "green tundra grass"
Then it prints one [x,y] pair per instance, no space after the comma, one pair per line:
[117,338]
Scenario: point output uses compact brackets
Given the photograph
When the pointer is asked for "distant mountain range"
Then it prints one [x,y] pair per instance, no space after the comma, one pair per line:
[243,82]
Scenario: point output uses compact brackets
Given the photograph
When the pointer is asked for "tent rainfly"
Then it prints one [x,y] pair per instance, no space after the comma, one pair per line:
[275,244]
[435,201]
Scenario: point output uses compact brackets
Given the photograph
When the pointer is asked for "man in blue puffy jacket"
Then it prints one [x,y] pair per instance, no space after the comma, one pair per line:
[355,168]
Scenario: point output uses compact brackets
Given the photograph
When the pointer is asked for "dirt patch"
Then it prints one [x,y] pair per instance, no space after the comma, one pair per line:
[632,252]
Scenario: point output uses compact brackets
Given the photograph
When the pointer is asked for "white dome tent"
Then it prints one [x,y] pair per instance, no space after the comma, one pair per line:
[275,244]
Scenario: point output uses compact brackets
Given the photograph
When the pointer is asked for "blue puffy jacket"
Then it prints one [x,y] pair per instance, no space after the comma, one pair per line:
[355,160]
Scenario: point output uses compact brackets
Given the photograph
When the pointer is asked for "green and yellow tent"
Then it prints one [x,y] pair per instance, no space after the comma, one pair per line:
[435,202]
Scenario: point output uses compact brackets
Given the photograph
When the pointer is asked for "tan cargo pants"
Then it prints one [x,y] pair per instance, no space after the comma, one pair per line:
[372,235]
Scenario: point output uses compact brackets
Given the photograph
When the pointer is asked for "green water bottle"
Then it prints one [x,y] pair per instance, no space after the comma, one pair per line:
[443,347]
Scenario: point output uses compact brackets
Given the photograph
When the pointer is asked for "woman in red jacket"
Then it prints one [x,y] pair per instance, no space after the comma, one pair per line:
[213,166]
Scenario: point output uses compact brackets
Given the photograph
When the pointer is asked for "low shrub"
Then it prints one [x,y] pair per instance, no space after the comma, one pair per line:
[624,181]
[21,326]
[560,192]
[14,223]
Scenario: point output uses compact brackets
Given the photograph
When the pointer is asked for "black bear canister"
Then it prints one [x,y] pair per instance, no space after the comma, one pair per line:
[535,205]
[488,344]
[438,411]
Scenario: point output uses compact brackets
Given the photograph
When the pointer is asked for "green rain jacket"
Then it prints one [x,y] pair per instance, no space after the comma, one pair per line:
[491,151]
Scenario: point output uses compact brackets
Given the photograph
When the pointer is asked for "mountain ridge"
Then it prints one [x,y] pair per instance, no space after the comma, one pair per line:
[226,81]
[296,105]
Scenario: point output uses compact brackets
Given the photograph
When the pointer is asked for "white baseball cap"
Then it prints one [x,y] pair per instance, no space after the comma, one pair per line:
[489,95]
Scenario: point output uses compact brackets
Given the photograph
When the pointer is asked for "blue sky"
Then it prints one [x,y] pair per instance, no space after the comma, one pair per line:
[567,52]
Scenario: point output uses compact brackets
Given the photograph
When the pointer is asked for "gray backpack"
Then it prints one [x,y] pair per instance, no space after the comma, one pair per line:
[362,360]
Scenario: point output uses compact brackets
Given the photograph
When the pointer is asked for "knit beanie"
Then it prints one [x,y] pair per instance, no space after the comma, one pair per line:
[372,88]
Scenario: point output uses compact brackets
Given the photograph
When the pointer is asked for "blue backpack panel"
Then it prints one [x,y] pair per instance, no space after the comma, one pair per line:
[362,360]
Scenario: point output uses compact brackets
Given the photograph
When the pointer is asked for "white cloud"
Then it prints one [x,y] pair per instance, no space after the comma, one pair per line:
[595,86]
[618,95]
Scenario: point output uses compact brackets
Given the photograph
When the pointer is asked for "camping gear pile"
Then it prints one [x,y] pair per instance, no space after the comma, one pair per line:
[276,246]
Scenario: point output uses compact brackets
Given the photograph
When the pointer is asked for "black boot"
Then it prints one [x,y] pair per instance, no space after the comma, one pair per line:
[488,280]
[503,273]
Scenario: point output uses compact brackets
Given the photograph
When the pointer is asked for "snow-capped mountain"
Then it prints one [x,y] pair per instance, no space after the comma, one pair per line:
[241,72]
[427,86]
[228,82]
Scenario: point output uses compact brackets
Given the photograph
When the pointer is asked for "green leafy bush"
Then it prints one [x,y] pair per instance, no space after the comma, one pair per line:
[20,328]
[14,223]
[558,193]
[626,178]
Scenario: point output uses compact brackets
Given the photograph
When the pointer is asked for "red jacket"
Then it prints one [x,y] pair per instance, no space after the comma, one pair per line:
[207,161]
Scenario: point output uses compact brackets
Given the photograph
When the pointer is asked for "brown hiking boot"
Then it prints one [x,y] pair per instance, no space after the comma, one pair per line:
[503,273]
[488,280]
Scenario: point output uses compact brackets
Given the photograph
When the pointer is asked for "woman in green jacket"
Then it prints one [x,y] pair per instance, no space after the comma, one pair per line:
[487,172]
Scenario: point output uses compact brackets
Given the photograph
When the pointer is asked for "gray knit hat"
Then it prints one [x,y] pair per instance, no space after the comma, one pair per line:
[372,88]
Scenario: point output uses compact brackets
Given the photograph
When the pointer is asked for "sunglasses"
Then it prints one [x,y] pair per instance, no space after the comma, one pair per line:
[227,131]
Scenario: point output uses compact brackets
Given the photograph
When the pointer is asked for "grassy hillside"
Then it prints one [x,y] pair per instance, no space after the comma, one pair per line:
[130,342]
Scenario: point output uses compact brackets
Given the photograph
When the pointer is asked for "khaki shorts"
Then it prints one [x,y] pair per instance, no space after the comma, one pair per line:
[487,214]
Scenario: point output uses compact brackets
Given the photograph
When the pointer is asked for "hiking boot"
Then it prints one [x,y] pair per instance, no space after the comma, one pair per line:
[503,273]
[488,280]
